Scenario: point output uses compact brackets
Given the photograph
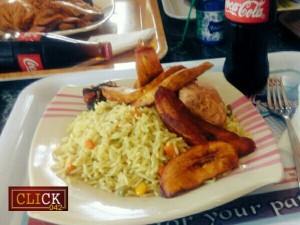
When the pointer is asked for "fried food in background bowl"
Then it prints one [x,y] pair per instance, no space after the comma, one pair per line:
[46,15]
[15,16]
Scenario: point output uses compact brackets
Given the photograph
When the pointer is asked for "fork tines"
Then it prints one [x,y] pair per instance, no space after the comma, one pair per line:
[277,99]
[279,105]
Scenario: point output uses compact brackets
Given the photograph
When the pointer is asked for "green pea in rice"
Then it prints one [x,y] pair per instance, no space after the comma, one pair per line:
[128,148]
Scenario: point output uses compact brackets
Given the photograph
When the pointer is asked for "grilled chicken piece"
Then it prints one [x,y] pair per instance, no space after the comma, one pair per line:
[179,119]
[198,164]
[126,95]
[174,82]
[203,100]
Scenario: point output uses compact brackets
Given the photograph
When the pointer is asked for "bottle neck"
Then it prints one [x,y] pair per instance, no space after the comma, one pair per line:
[93,49]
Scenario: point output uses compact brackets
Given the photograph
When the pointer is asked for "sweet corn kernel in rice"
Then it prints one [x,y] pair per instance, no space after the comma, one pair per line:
[128,150]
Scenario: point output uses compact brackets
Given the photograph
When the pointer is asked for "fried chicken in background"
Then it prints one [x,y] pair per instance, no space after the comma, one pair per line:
[46,15]
[15,16]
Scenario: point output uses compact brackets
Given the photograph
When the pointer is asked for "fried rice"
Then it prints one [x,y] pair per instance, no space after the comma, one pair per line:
[127,149]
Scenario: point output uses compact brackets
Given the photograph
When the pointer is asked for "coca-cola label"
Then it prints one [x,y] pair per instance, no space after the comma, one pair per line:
[30,62]
[247,11]
[29,37]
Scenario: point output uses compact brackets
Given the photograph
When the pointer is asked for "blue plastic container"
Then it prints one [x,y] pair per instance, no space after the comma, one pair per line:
[210,21]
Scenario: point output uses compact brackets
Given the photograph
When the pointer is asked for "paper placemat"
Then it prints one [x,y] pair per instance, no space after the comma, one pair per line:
[273,201]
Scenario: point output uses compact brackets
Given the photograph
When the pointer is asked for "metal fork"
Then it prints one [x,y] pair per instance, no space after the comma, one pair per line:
[279,105]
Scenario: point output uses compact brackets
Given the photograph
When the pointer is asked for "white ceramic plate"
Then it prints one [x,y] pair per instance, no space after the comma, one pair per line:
[88,205]
[107,8]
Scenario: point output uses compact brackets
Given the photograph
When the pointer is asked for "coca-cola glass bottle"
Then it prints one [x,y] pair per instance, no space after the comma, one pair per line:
[38,51]
[248,28]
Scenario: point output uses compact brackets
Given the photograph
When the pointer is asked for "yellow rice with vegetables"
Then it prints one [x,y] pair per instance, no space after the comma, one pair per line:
[120,148]
[117,148]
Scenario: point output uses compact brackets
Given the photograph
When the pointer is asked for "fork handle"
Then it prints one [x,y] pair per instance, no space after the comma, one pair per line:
[295,146]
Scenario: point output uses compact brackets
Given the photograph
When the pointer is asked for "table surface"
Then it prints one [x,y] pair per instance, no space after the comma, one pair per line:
[282,40]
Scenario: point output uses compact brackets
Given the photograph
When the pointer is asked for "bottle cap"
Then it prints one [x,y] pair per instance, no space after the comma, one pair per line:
[210,5]
[106,50]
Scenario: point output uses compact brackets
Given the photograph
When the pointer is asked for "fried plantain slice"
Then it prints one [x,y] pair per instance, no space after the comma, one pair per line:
[179,119]
[198,164]
[174,82]
[243,145]
[175,119]
[147,64]
[121,94]
[128,95]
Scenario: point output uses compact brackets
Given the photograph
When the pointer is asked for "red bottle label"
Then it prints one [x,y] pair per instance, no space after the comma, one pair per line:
[29,37]
[30,62]
[247,11]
